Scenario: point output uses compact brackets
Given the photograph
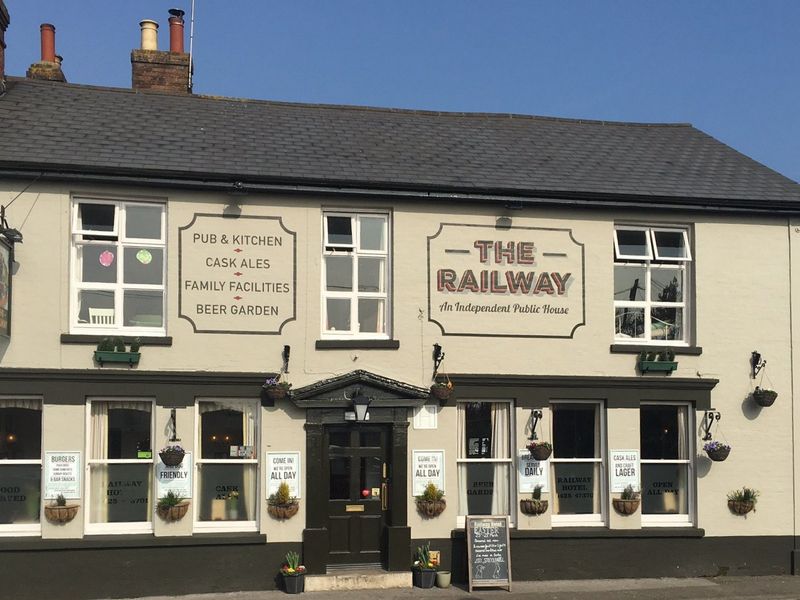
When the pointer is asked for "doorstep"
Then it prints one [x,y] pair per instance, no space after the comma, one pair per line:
[355,578]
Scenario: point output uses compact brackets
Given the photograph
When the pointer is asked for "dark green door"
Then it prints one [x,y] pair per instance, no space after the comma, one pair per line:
[357,472]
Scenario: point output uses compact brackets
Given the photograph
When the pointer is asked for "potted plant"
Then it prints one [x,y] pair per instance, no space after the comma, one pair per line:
[443,579]
[294,574]
[628,502]
[663,361]
[535,505]
[717,451]
[423,569]
[275,388]
[540,450]
[113,350]
[442,390]
[743,501]
[172,507]
[431,502]
[172,456]
[58,511]
[281,504]
[764,396]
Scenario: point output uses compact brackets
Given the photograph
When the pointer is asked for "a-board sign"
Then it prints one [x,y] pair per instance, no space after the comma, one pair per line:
[488,552]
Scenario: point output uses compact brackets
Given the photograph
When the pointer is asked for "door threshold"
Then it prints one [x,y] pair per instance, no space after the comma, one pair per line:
[350,568]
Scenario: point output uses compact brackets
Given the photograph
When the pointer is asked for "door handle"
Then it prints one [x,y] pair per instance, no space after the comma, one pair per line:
[384,496]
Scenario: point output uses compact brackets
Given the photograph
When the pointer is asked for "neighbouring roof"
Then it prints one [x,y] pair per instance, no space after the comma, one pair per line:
[84,129]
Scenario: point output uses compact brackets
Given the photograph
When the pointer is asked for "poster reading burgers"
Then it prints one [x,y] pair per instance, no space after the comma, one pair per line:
[5,289]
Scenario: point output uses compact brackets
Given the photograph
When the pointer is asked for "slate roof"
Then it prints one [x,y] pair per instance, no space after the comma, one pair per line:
[124,132]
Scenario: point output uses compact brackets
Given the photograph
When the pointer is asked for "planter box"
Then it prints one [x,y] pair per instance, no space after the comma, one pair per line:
[103,356]
[665,366]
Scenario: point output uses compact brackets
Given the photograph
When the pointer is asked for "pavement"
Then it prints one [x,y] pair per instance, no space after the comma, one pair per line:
[766,588]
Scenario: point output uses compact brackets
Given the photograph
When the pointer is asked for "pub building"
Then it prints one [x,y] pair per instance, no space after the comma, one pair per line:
[618,290]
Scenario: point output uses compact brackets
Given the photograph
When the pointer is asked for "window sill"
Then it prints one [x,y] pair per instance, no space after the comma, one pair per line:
[89,339]
[134,541]
[357,344]
[638,348]
[597,532]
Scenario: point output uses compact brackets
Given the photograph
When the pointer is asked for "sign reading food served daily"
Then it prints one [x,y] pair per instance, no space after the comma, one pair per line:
[237,275]
[532,473]
[511,282]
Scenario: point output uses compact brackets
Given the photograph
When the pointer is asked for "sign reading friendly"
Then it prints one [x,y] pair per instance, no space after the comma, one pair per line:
[513,282]
[177,480]
[62,475]
[428,467]
[283,467]
[624,470]
[236,275]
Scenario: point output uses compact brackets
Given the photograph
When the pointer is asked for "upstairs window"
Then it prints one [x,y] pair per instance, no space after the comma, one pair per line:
[355,275]
[651,276]
[118,266]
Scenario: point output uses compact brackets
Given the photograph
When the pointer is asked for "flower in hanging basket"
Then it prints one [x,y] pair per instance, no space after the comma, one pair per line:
[275,388]
[764,396]
[534,506]
[540,450]
[431,502]
[281,504]
[628,502]
[172,507]
[441,390]
[172,456]
[743,501]
[717,451]
[59,511]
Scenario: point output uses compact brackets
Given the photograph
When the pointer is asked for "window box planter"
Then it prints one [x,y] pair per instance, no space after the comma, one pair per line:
[626,506]
[533,507]
[764,397]
[61,514]
[431,508]
[174,513]
[130,358]
[664,366]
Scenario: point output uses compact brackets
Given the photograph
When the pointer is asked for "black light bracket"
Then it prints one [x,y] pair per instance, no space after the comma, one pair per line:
[14,236]
[756,363]
[285,355]
[173,426]
[536,416]
[710,416]
[438,357]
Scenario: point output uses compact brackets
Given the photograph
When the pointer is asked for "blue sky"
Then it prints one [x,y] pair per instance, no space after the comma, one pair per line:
[730,67]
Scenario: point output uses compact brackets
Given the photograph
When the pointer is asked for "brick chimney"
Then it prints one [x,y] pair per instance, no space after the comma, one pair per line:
[157,70]
[4,21]
[49,67]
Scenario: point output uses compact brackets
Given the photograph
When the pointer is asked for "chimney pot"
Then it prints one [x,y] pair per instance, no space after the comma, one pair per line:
[48,32]
[149,34]
[176,32]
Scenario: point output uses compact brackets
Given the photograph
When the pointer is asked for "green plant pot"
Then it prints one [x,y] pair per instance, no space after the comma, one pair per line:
[666,366]
[130,358]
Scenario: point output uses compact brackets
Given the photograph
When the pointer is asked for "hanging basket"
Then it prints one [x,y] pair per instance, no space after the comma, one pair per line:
[533,506]
[764,397]
[740,508]
[441,392]
[540,452]
[719,454]
[626,507]
[61,514]
[283,511]
[173,513]
[276,392]
[431,508]
[172,458]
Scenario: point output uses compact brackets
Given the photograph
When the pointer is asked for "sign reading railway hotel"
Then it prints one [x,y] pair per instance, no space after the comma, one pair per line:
[514,281]
[236,275]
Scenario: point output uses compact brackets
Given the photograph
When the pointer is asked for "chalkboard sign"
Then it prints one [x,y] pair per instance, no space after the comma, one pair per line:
[488,552]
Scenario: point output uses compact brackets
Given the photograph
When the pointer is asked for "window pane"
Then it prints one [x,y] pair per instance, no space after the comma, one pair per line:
[371,467]
[370,274]
[486,484]
[370,439]
[96,217]
[666,323]
[20,433]
[339,273]
[96,307]
[144,308]
[629,322]
[144,265]
[227,492]
[670,244]
[340,230]
[633,243]
[121,493]
[339,478]
[629,283]
[371,316]
[574,429]
[227,429]
[666,285]
[20,494]
[665,489]
[128,431]
[478,416]
[339,438]
[372,233]
[143,222]
[663,432]
[338,314]
[98,264]
[577,488]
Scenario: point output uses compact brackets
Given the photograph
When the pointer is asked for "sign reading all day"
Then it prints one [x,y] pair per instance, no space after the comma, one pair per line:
[283,467]
[427,467]
[532,473]
[177,480]
[62,475]
[514,282]
[236,275]
[624,470]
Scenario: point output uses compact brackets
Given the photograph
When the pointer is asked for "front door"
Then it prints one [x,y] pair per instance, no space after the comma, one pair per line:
[357,492]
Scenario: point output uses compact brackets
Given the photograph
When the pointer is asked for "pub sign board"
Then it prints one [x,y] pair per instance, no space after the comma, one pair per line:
[6,256]
[488,552]
[513,282]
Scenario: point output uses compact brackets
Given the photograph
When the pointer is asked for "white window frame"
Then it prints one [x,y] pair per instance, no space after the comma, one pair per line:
[354,295]
[118,239]
[651,263]
[678,520]
[223,526]
[585,520]
[512,480]
[27,529]
[131,527]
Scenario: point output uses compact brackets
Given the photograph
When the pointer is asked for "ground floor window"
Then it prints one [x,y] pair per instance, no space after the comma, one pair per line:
[20,465]
[484,458]
[120,482]
[227,480]
[577,463]
[667,477]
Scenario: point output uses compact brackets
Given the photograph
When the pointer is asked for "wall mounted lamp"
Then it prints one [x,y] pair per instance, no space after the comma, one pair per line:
[756,363]
[536,416]
[710,416]
[438,357]
[360,412]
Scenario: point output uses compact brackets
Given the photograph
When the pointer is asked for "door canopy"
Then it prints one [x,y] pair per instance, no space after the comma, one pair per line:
[338,392]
